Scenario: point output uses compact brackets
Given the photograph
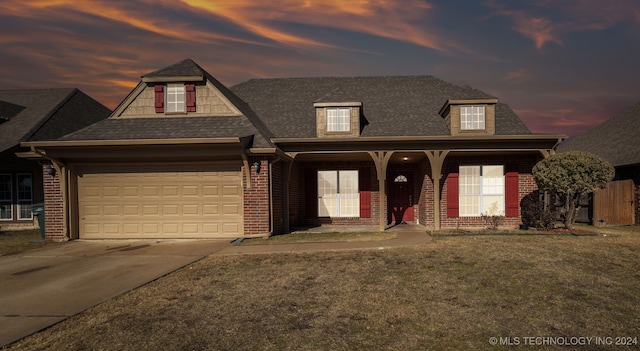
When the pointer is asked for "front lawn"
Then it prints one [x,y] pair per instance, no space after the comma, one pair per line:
[455,293]
[15,241]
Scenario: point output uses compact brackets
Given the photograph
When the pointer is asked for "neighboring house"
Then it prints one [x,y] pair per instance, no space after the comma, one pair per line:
[29,115]
[183,156]
[617,141]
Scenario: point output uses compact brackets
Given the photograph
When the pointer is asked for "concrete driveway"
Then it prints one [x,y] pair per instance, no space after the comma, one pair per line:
[41,287]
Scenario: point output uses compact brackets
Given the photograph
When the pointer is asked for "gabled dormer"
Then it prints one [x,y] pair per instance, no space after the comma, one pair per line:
[470,117]
[338,119]
[180,90]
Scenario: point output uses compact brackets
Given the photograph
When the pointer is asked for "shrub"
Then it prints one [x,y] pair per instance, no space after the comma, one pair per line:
[571,175]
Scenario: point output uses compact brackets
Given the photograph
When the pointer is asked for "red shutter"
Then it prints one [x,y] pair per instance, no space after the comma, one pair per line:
[311,191]
[364,183]
[191,97]
[511,191]
[453,201]
[159,92]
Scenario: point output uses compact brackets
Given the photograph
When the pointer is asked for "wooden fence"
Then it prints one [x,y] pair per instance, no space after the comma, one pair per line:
[613,205]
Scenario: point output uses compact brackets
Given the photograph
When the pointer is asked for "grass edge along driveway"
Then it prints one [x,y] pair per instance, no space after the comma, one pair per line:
[453,293]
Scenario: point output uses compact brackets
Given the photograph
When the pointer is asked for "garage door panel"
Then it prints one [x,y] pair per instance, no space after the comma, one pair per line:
[118,204]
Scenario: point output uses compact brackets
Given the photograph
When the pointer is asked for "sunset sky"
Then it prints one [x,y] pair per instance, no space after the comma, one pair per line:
[562,65]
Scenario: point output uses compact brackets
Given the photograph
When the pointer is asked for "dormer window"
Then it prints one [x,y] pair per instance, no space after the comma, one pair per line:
[471,117]
[175,98]
[338,119]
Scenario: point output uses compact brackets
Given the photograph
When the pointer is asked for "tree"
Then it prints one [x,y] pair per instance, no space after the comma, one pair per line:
[571,175]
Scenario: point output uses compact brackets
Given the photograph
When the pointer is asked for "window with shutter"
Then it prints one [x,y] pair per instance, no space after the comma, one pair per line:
[481,191]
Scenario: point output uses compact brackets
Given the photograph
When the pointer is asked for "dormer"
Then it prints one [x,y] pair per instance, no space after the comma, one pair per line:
[179,90]
[337,119]
[470,117]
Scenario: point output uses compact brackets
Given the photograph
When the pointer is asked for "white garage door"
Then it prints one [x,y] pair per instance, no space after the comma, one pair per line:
[158,204]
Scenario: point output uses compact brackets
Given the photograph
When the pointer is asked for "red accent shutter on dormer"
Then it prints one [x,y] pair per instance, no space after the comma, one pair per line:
[453,190]
[511,191]
[159,94]
[365,192]
[191,97]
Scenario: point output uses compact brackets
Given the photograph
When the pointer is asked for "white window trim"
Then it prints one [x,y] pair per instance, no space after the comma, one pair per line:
[341,198]
[23,202]
[8,202]
[175,98]
[473,120]
[341,122]
[482,195]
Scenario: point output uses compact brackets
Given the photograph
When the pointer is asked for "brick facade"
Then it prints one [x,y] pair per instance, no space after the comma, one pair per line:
[259,208]
[299,184]
[423,190]
[53,204]
[526,185]
[256,199]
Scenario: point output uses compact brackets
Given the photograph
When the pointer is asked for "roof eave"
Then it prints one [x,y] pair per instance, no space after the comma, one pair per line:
[461,143]
[131,142]
[169,79]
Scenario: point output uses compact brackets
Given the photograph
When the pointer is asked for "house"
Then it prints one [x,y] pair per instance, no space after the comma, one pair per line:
[183,156]
[616,141]
[30,115]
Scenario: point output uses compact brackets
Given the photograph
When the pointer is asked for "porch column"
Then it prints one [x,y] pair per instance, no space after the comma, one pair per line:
[436,159]
[381,160]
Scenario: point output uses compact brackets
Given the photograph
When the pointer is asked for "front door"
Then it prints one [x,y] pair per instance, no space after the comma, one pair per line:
[401,199]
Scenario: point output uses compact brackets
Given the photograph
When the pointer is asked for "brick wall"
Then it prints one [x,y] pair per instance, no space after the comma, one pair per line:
[425,209]
[256,199]
[53,205]
[526,185]
[298,186]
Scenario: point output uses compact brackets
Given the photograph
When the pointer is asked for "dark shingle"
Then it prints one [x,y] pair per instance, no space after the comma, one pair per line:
[46,114]
[167,128]
[392,106]
[615,140]
[185,67]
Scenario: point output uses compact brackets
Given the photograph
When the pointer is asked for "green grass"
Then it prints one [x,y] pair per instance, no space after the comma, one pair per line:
[19,240]
[453,293]
[332,237]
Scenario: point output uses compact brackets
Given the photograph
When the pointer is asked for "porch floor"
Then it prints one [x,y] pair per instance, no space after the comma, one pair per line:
[329,228]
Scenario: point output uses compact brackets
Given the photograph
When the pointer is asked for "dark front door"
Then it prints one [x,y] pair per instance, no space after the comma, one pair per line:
[401,199]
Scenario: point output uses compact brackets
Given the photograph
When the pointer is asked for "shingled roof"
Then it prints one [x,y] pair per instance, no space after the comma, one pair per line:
[392,106]
[40,114]
[615,140]
[240,126]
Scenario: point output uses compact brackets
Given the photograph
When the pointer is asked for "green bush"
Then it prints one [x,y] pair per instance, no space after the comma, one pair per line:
[570,175]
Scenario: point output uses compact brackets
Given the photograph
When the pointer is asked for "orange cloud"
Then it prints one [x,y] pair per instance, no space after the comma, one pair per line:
[540,30]
[568,16]
[388,19]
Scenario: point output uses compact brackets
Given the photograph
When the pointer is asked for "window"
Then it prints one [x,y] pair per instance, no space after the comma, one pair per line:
[6,209]
[338,194]
[338,119]
[24,196]
[175,98]
[472,117]
[481,190]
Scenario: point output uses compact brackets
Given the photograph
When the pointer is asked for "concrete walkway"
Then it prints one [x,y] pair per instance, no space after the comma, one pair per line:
[41,287]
